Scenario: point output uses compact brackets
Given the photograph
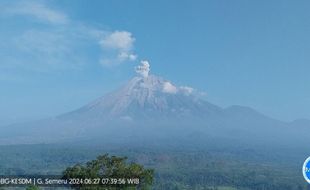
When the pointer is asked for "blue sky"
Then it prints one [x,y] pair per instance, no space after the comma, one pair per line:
[56,56]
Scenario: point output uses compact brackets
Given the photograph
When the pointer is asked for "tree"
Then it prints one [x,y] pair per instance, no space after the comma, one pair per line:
[110,167]
[32,187]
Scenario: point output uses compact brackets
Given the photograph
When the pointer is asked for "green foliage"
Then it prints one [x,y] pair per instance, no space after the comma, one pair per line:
[32,187]
[106,166]
[229,169]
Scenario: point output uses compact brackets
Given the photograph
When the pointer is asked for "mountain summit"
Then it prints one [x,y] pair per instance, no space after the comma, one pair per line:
[148,97]
[151,108]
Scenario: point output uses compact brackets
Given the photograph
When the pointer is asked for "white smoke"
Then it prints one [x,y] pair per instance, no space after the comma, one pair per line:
[186,90]
[143,69]
[169,88]
[119,40]
[119,46]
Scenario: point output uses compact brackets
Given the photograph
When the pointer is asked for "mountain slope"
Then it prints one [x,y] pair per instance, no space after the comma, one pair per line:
[149,108]
[146,98]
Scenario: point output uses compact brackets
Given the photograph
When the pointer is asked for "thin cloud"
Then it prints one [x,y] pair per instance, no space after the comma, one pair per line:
[48,50]
[61,45]
[37,10]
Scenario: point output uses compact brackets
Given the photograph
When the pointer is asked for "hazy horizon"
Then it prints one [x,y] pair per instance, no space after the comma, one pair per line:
[57,56]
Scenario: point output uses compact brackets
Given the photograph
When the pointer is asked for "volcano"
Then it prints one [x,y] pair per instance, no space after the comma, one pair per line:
[147,99]
[149,107]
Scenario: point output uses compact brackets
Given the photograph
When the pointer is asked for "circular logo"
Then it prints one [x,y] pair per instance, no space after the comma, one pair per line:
[306,170]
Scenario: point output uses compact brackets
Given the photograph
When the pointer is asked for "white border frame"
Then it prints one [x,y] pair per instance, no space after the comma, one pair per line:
[304,169]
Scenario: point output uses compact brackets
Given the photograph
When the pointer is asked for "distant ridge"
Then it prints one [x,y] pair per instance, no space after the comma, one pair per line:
[151,107]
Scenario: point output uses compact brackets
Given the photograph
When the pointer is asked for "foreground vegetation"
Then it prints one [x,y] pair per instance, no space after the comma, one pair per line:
[174,169]
[110,167]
